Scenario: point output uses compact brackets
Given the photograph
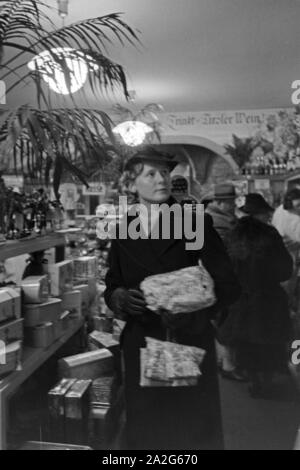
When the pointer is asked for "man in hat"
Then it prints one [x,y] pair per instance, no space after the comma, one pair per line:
[222,209]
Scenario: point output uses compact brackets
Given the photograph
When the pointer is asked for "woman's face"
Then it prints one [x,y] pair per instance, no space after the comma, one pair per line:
[153,184]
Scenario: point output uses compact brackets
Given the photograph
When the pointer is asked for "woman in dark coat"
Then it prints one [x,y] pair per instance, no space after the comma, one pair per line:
[166,418]
[258,325]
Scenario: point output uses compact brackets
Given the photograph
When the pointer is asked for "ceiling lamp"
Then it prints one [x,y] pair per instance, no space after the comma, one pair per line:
[133,133]
[63,8]
[48,64]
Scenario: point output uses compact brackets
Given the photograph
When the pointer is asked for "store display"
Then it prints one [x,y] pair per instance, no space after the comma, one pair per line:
[56,408]
[186,290]
[6,307]
[61,277]
[35,289]
[35,314]
[90,365]
[12,331]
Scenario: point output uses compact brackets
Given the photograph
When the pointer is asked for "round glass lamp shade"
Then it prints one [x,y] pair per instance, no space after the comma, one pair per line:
[133,133]
[48,64]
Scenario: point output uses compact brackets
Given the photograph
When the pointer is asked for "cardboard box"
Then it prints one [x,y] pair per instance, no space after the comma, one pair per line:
[15,294]
[56,408]
[40,336]
[10,358]
[61,277]
[35,314]
[12,331]
[71,302]
[6,307]
[77,412]
[85,267]
[35,289]
[102,323]
[89,366]
[85,296]
[103,340]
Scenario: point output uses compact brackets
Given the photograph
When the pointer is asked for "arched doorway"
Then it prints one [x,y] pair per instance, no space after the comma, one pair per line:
[202,161]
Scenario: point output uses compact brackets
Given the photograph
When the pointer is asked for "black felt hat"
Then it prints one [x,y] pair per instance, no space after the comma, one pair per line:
[151,154]
[256,204]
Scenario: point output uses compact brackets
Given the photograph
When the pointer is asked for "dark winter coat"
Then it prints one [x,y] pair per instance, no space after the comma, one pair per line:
[261,261]
[171,418]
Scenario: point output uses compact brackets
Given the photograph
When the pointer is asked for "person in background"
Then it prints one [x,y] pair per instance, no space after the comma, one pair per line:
[258,326]
[286,220]
[166,418]
[221,207]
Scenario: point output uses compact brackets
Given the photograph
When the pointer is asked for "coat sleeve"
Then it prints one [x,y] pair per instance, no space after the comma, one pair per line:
[113,278]
[281,262]
[218,264]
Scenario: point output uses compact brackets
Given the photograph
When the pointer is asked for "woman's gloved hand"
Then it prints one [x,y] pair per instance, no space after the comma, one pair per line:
[128,302]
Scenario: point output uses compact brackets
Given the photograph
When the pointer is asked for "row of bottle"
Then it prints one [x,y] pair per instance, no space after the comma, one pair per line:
[261,167]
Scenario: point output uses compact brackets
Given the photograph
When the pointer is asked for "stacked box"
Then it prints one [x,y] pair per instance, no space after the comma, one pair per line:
[103,324]
[56,407]
[35,314]
[11,330]
[85,267]
[88,366]
[77,412]
[35,289]
[61,277]
[71,302]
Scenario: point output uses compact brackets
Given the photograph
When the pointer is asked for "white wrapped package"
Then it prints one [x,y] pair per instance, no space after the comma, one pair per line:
[184,291]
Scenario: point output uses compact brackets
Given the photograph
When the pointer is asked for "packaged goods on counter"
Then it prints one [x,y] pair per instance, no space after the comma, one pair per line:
[6,307]
[15,295]
[61,277]
[40,336]
[71,301]
[49,311]
[35,289]
[12,331]
[85,267]
[85,296]
[182,291]
[10,358]
[90,365]
[166,364]
[56,408]
[102,391]
[100,340]
[77,412]
[102,323]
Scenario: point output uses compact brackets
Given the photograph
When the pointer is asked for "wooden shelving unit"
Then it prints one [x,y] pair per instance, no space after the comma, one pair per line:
[32,359]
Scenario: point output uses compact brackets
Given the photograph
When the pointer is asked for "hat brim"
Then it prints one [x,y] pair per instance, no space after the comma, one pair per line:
[170,164]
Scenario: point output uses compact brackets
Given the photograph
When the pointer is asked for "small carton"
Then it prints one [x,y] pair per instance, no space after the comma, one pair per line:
[40,336]
[12,331]
[6,307]
[71,301]
[35,314]
[15,294]
[35,289]
[87,366]
[10,358]
[61,277]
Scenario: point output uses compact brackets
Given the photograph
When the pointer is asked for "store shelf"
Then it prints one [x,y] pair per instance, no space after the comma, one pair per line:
[32,360]
[14,248]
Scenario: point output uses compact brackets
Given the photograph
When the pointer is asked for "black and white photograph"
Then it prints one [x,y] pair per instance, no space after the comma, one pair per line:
[149,227]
